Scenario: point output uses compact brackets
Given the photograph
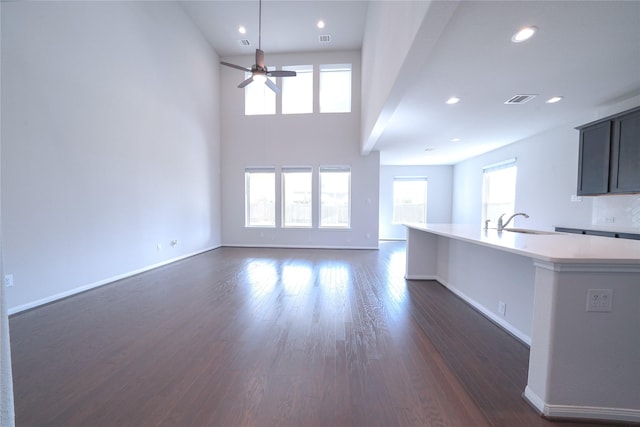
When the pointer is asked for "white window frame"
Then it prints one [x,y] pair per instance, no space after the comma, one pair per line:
[327,94]
[286,172]
[323,171]
[292,90]
[491,210]
[395,220]
[247,197]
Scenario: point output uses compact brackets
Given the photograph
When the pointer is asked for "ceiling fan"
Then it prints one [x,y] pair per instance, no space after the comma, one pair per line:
[259,71]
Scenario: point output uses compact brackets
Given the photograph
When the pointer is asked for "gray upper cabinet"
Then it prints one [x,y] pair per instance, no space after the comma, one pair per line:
[609,158]
[625,159]
[593,166]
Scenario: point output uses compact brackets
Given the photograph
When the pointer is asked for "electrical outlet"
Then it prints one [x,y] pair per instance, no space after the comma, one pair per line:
[599,299]
[8,280]
[609,219]
[174,243]
[575,198]
[502,308]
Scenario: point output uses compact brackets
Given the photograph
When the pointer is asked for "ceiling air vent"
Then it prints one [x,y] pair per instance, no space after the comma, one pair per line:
[244,42]
[519,99]
[326,38]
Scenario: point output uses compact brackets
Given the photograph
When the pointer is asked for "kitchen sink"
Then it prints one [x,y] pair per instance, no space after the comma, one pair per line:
[527,231]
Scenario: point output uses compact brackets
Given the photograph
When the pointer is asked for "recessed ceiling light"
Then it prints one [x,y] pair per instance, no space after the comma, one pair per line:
[453,100]
[554,99]
[242,30]
[455,139]
[524,34]
[320,24]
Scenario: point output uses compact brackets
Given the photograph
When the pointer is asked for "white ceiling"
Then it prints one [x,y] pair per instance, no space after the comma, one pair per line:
[287,26]
[586,51]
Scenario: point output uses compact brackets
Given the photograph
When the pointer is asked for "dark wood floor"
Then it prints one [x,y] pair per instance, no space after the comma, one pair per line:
[269,337]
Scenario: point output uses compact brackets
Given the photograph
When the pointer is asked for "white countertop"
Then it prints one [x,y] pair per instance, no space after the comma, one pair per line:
[556,247]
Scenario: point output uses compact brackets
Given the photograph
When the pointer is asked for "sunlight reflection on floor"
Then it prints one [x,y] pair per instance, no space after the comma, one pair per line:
[296,278]
[334,278]
[262,276]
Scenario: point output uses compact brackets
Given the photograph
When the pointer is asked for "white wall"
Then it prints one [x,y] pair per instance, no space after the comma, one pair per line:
[439,196]
[547,178]
[384,49]
[7,413]
[295,140]
[110,143]
[547,175]
[393,56]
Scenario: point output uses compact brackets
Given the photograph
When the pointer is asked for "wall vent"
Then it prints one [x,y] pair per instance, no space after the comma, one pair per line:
[244,42]
[326,38]
[519,99]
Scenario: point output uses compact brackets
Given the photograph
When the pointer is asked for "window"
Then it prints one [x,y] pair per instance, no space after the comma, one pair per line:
[296,197]
[335,196]
[335,88]
[260,197]
[297,92]
[409,200]
[258,98]
[498,190]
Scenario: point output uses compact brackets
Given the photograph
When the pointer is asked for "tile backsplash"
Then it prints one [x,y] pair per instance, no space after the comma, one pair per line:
[618,212]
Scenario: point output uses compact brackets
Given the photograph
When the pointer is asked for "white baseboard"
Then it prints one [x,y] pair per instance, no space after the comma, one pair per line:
[570,412]
[266,246]
[83,288]
[420,277]
[533,399]
[521,336]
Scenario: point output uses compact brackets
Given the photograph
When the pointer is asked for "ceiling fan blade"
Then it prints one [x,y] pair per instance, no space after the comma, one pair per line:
[246,82]
[235,66]
[272,86]
[281,73]
[260,58]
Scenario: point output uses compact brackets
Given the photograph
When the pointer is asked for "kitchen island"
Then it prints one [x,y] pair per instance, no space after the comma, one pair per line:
[574,299]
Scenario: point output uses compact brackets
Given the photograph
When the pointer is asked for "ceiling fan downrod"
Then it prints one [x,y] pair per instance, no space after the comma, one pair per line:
[260,24]
[259,71]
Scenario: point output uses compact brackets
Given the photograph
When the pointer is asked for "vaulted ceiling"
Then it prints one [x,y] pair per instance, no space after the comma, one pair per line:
[588,52]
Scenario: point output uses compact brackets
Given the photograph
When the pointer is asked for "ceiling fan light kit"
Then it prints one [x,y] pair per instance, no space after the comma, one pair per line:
[259,71]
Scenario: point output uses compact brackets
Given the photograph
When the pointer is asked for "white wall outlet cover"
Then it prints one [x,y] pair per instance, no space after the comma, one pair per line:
[600,300]
[8,280]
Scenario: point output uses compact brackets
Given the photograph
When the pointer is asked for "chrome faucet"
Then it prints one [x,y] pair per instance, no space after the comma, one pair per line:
[502,225]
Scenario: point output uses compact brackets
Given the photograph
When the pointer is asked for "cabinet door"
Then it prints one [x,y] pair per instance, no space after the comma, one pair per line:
[593,164]
[625,165]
